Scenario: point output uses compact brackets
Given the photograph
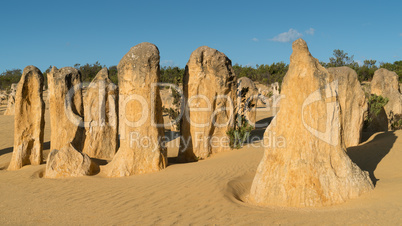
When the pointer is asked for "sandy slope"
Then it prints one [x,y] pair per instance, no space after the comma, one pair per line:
[207,192]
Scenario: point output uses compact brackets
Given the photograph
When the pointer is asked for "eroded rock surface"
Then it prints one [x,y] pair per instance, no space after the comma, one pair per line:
[353,103]
[101,117]
[11,100]
[307,165]
[68,162]
[210,90]
[385,83]
[247,98]
[140,110]
[66,108]
[29,121]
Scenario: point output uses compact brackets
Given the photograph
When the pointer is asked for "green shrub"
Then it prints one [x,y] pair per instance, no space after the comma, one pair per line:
[396,121]
[375,106]
[174,113]
[376,103]
[240,133]
[397,125]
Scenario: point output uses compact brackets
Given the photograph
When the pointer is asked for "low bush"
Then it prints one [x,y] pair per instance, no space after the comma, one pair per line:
[240,133]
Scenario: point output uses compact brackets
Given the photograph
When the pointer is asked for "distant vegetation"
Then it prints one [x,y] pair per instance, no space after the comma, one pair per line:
[366,71]
[264,73]
[173,75]
[396,66]
[275,72]
[8,77]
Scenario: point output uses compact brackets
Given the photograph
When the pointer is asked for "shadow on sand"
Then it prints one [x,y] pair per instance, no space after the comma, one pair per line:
[6,150]
[257,134]
[171,135]
[367,156]
[46,145]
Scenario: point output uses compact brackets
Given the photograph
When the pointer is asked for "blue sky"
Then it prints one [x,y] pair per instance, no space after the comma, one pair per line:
[44,33]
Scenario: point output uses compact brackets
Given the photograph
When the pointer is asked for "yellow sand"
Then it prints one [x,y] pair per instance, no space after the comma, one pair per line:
[206,192]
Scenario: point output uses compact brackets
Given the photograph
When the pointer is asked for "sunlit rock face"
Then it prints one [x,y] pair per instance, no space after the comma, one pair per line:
[309,167]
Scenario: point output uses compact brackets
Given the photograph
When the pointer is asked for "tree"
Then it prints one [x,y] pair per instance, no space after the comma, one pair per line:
[396,67]
[113,74]
[10,76]
[89,71]
[12,73]
[45,75]
[340,59]
[369,63]
[263,73]
[172,75]
[366,71]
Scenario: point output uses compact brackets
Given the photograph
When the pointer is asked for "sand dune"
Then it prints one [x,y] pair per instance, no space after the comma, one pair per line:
[206,192]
